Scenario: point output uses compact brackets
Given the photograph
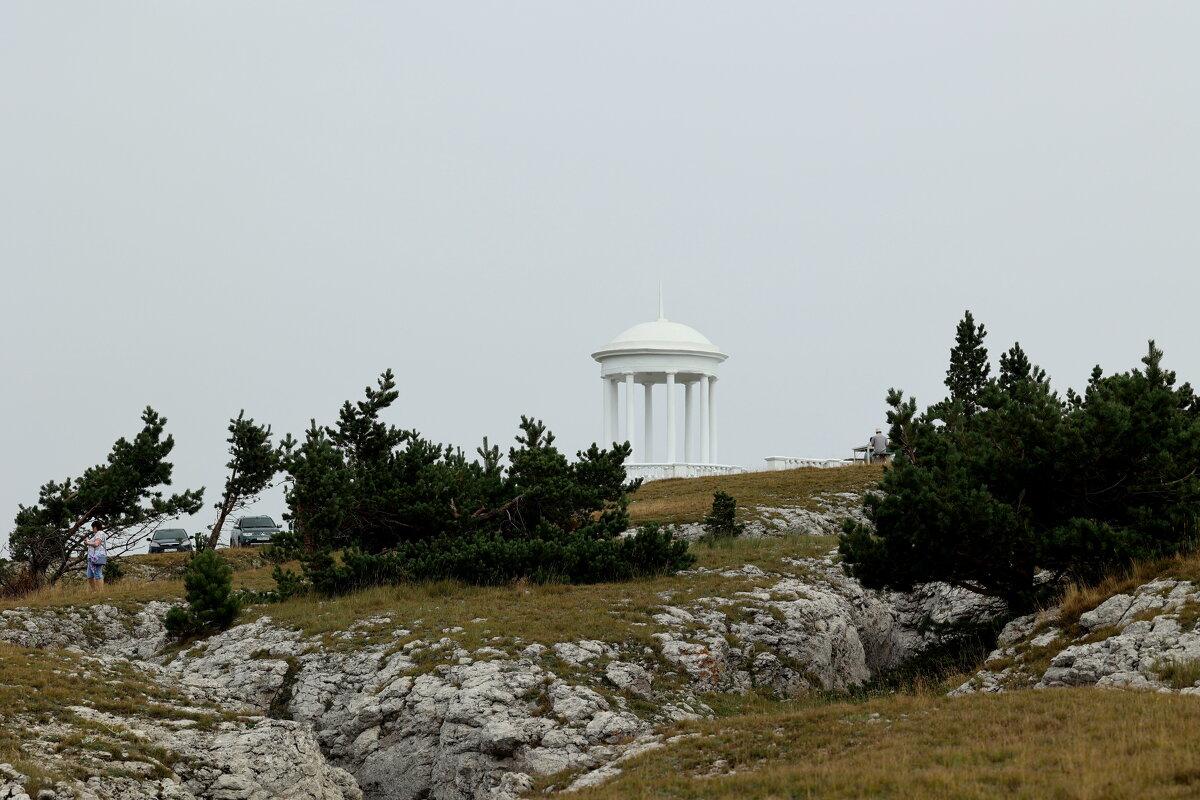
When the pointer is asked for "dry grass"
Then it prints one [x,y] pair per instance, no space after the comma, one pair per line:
[1079,743]
[545,613]
[764,552]
[690,499]
[1078,598]
[514,614]
[1177,673]
[135,589]
[503,616]
[164,566]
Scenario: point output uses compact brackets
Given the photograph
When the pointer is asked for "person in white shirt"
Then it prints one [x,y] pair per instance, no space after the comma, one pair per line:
[97,557]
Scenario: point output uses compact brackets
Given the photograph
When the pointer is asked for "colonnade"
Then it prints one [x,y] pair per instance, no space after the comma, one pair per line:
[699,416]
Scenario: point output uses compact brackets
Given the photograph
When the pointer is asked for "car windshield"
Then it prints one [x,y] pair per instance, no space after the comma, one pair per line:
[258,522]
[170,533]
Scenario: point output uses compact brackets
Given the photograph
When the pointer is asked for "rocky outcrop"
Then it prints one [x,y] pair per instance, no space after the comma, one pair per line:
[1144,640]
[433,718]
[202,751]
[1153,635]
[811,630]
[101,629]
[440,717]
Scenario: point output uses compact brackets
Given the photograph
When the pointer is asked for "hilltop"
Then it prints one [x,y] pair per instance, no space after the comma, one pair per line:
[761,668]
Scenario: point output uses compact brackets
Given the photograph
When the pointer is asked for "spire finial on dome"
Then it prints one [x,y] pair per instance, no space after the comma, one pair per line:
[661,317]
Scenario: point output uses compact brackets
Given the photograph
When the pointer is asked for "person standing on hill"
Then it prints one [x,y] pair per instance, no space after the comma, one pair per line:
[879,446]
[97,557]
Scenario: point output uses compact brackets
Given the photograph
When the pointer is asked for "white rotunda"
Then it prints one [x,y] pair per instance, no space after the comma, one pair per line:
[668,354]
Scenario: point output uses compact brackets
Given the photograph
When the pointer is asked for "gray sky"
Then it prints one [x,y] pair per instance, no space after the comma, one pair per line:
[213,206]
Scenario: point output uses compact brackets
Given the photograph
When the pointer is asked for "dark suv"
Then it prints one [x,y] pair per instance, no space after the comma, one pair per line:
[253,530]
[165,539]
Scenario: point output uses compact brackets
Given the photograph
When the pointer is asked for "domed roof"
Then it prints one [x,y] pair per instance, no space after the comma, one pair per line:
[661,334]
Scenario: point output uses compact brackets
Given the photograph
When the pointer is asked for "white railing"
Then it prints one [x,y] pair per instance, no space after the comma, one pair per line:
[787,462]
[658,472]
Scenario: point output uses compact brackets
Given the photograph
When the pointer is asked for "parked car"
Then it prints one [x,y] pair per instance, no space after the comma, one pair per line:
[165,539]
[253,530]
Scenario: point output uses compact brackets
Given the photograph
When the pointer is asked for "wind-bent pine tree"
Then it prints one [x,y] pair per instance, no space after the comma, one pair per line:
[123,493]
[253,463]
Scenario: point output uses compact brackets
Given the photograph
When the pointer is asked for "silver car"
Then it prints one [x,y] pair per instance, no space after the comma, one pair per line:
[253,530]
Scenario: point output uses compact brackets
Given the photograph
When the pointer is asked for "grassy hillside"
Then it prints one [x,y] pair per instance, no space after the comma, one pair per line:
[1076,743]
[689,499]
[1079,743]
[156,576]
[147,577]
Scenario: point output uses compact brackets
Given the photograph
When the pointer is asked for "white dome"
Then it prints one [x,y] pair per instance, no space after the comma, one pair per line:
[660,334]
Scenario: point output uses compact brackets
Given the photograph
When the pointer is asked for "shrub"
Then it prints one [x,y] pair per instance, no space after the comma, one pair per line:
[16,579]
[212,606]
[489,558]
[113,571]
[721,522]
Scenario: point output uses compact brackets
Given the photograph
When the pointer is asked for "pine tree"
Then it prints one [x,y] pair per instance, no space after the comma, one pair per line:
[123,493]
[212,606]
[1132,445]
[1031,482]
[402,508]
[968,371]
[721,523]
[252,465]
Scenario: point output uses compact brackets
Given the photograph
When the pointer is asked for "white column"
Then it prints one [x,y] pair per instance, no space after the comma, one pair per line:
[705,442]
[606,435]
[630,405]
[712,420]
[670,417]
[612,411]
[689,415]
[648,427]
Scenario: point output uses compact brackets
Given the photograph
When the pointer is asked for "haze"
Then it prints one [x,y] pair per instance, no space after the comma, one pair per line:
[261,206]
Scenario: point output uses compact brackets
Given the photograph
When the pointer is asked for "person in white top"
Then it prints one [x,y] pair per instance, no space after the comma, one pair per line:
[97,557]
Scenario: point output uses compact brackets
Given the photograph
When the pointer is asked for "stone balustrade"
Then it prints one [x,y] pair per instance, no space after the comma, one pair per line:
[788,462]
[658,472]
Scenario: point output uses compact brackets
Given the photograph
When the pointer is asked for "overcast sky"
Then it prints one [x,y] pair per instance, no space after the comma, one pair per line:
[208,207]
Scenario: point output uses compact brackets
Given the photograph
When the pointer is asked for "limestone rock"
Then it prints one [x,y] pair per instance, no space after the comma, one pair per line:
[629,677]
[1139,642]
[275,758]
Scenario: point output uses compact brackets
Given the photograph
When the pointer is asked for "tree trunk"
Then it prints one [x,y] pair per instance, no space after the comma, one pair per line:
[218,525]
